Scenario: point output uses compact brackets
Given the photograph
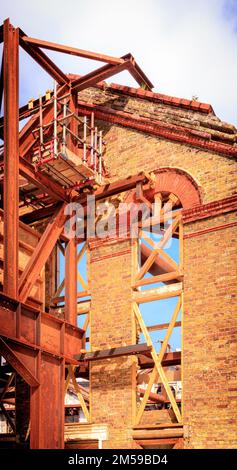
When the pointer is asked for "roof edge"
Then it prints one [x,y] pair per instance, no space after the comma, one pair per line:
[192,105]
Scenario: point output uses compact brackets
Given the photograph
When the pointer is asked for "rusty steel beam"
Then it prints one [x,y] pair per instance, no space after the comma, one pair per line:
[42,252]
[138,73]
[1,81]
[38,214]
[47,406]
[42,181]
[98,75]
[72,50]
[155,397]
[18,365]
[11,152]
[114,352]
[44,61]
[71,281]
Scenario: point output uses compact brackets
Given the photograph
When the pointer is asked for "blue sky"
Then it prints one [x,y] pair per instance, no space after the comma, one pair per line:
[185,47]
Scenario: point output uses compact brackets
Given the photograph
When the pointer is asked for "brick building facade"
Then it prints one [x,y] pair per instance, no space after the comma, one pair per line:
[193,155]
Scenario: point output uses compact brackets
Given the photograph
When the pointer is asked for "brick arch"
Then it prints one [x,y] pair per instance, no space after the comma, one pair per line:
[176,181]
[180,183]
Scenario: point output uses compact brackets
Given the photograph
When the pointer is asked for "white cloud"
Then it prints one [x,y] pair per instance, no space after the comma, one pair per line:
[186,48]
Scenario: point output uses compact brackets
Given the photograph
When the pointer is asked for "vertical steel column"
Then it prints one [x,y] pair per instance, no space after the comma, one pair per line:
[71,247]
[11,158]
[71,281]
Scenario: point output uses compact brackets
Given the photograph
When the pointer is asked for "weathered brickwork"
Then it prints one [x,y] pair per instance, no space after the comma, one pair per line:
[129,152]
[113,380]
[209,329]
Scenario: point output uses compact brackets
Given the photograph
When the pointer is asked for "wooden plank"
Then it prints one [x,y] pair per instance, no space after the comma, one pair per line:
[164,292]
[152,380]
[160,278]
[157,442]
[157,362]
[162,326]
[158,426]
[78,392]
[148,263]
[157,433]
[83,307]
[169,331]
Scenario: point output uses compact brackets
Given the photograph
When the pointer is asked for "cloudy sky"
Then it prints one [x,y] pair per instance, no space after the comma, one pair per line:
[186,47]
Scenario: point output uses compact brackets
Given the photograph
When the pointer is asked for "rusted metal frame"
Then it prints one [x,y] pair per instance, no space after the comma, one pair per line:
[8,418]
[26,345]
[42,252]
[26,137]
[39,427]
[84,293]
[42,181]
[1,80]
[44,61]
[11,153]
[25,112]
[72,50]
[71,281]
[61,247]
[117,187]
[138,73]
[61,286]
[39,214]
[17,364]
[98,75]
